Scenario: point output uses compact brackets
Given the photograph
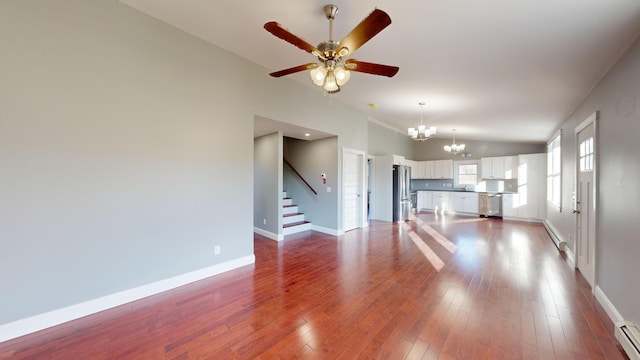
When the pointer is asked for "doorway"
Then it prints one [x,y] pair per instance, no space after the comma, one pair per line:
[585,206]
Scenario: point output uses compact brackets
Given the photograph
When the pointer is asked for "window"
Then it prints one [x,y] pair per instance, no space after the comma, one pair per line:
[467,174]
[586,155]
[553,171]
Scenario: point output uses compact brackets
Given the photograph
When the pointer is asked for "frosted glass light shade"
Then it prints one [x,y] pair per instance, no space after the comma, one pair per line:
[318,75]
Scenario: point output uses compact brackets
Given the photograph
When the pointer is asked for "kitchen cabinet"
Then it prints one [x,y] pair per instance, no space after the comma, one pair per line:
[425,170]
[435,169]
[529,202]
[443,169]
[398,160]
[463,202]
[414,167]
[425,200]
[440,201]
[510,205]
[499,167]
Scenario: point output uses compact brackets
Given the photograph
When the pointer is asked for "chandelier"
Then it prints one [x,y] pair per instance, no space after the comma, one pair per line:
[422,133]
[454,148]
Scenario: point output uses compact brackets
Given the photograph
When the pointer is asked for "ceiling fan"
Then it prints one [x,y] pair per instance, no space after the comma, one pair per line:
[333,70]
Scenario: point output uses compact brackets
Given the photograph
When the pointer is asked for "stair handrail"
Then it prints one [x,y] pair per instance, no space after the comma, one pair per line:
[300,176]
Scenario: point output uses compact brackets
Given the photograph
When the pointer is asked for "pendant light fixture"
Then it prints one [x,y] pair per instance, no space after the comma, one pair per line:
[454,148]
[422,133]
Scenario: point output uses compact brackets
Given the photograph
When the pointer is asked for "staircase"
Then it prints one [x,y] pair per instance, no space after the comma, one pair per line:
[292,220]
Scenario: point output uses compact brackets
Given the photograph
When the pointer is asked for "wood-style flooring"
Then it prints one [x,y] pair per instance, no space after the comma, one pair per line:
[436,287]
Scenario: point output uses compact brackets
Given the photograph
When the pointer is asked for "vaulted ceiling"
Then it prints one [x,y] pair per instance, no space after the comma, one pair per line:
[498,70]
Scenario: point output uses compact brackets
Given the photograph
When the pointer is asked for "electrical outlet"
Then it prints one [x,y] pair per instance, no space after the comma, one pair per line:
[216,250]
[264,221]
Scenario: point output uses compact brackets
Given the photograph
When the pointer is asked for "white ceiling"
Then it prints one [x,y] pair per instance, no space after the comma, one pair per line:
[500,70]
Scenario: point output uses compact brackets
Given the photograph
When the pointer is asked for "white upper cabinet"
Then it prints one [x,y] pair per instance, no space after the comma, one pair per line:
[499,167]
[438,169]
[443,169]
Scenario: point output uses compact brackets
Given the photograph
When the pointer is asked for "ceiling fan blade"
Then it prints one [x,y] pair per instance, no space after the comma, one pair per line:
[294,69]
[368,28]
[277,30]
[371,68]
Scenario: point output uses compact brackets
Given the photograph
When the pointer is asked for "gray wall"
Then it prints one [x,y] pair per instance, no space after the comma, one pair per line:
[310,159]
[383,175]
[617,98]
[267,182]
[433,149]
[384,141]
[126,150]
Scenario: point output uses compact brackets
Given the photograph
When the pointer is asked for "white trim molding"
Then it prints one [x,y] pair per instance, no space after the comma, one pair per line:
[611,310]
[49,319]
[268,234]
[326,230]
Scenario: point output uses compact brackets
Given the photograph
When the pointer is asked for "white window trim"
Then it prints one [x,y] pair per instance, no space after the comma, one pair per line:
[465,162]
[556,135]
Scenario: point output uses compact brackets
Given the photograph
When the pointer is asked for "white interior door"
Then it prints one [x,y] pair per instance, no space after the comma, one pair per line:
[352,180]
[585,207]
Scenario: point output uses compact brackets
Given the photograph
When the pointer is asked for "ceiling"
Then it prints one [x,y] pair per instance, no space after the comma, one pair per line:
[498,70]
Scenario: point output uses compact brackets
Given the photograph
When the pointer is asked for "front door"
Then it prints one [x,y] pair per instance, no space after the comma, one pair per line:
[585,208]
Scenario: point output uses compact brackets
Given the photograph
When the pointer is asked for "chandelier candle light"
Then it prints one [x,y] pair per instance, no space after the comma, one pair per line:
[454,148]
[422,133]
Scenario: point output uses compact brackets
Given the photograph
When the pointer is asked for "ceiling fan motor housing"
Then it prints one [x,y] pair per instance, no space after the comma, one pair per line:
[330,11]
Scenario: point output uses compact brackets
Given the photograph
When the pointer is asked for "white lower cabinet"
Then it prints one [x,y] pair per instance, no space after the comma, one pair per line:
[425,200]
[448,201]
[440,201]
[510,205]
[463,202]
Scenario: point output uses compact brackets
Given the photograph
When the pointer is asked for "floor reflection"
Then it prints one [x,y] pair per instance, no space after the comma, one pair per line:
[428,253]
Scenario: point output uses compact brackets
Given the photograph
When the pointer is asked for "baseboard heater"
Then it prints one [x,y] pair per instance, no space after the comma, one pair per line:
[628,336]
[560,244]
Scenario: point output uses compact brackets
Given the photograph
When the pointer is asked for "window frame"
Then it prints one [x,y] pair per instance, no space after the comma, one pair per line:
[554,170]
[456,172]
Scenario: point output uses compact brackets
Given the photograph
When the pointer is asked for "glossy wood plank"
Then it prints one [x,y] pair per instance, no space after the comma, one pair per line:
[500,291]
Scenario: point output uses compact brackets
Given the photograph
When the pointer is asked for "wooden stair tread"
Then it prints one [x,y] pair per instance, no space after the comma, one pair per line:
[292,214]
[295,224]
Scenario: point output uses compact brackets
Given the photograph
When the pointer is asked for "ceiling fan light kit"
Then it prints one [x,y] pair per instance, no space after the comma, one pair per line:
[333,71]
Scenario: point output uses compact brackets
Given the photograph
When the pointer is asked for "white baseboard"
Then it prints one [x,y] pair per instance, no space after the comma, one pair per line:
[268,234]
[611,310]
[49,319]
[529,220]
[325,230]
[571,259]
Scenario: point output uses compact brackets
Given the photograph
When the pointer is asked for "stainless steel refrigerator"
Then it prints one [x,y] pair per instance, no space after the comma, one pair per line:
[401,192]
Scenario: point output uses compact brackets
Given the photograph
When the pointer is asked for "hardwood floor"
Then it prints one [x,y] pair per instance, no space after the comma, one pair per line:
[436,287]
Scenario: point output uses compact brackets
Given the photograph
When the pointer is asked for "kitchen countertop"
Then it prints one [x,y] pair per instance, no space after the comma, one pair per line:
[465,191]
